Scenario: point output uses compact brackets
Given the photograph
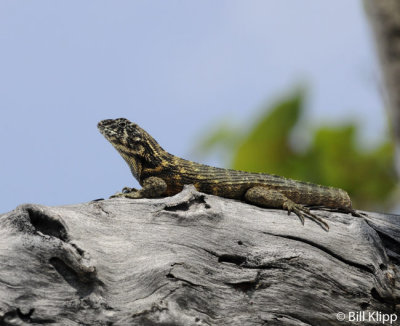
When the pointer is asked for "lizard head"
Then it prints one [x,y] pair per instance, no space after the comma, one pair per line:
[133,143]
[121,132]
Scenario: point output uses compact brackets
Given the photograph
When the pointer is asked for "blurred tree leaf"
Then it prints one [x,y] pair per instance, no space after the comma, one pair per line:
[333,157]
[222,137]
[368,175]
[267,144]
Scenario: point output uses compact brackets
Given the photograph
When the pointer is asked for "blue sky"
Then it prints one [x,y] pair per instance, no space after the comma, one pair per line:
[175,68]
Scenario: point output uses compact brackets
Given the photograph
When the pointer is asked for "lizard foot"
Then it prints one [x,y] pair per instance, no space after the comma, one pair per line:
[303,212]
[358,214]
[126,190]
[116,195]
[127,193]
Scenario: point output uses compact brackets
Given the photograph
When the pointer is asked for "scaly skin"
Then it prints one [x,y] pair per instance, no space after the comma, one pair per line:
[163,174]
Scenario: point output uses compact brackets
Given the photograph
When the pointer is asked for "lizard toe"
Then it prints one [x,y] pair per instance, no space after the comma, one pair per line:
[117,194]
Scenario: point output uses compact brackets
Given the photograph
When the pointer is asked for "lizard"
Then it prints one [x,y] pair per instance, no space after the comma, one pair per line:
[162,174]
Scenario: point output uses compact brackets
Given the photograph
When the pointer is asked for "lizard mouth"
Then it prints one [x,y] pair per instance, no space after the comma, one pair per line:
[116,131]
[109,134]
[102,126]
[108,127]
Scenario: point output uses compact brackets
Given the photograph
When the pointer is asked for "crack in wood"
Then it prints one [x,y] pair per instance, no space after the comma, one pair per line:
[10,318]
[47,224]
[83,286]
[193,202]
[366,268]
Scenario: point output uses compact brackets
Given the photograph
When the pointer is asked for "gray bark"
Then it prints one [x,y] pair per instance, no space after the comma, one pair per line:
[385,21]
[193,259]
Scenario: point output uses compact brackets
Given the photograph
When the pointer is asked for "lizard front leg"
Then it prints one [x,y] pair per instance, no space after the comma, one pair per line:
[152,187]
[271,198]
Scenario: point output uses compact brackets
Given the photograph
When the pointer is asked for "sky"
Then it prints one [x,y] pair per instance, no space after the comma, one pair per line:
[175,68]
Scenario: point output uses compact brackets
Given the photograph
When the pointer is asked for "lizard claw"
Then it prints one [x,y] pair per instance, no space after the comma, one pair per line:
[133,194]
[117,194]
[358,214]
[301,216]
[303,212]
[126,190]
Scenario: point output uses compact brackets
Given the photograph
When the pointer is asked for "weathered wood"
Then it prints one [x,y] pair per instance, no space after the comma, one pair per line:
[192,259]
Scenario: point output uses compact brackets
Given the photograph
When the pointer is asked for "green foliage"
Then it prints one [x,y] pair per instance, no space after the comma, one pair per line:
[266,147]
[333,156]
[223,136]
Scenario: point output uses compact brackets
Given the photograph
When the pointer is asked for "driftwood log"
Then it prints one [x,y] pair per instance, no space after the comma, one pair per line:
[195,259]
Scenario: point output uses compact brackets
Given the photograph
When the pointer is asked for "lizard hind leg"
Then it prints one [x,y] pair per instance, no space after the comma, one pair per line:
[271,198]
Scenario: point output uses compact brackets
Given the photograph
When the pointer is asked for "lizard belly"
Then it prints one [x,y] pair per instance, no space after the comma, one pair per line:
[227,189]
[223,189]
